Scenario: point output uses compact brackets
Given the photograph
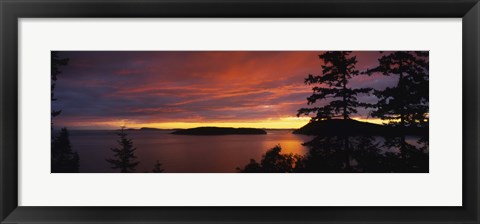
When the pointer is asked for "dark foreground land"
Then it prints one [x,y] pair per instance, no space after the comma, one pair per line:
[340,127]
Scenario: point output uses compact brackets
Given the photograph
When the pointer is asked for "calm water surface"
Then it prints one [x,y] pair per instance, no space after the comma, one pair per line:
[182,153]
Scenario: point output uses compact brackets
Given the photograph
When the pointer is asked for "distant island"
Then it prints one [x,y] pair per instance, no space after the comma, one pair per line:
[353,127]
[220,131]
[155,129]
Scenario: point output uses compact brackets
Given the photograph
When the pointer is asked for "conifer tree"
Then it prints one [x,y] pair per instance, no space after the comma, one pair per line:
[157,167]
[338,69]
[341,100]
[124,155]
[55,63]
[406,103]
[64,160]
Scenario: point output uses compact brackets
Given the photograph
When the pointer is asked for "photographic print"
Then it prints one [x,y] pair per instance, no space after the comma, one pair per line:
[240,111]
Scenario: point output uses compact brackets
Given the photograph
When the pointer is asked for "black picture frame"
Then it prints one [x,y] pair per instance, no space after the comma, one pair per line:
[12,10]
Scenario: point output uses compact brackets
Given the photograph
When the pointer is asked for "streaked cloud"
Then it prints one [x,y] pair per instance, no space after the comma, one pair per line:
[108,89]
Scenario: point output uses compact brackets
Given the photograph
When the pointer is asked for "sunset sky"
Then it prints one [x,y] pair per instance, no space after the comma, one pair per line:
[183,89]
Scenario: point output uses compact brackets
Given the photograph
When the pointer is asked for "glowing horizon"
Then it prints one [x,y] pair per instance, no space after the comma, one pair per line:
[282,123]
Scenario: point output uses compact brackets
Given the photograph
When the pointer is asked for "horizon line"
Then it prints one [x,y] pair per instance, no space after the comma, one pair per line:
[200,126]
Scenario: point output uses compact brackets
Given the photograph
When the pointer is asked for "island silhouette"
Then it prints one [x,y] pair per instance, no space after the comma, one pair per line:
[350,127]
[220,131]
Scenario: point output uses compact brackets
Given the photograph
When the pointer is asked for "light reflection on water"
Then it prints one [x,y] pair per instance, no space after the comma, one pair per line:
[183,153]
[188,153]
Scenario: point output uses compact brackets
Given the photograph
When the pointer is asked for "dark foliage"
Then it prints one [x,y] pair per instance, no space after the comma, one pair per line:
[405,104]
[273,161]
[332,85]
[55,63]
[124,155]
[327,154]
[63,159]
[157,168]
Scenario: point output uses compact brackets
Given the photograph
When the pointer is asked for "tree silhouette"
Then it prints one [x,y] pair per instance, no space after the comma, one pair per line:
[273,161]
[325,155]
[157,168]
[332,85]
[369,157]
[55,63]
[406,104]
[338,149]
[412,158]
[64,160]
[124,155]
